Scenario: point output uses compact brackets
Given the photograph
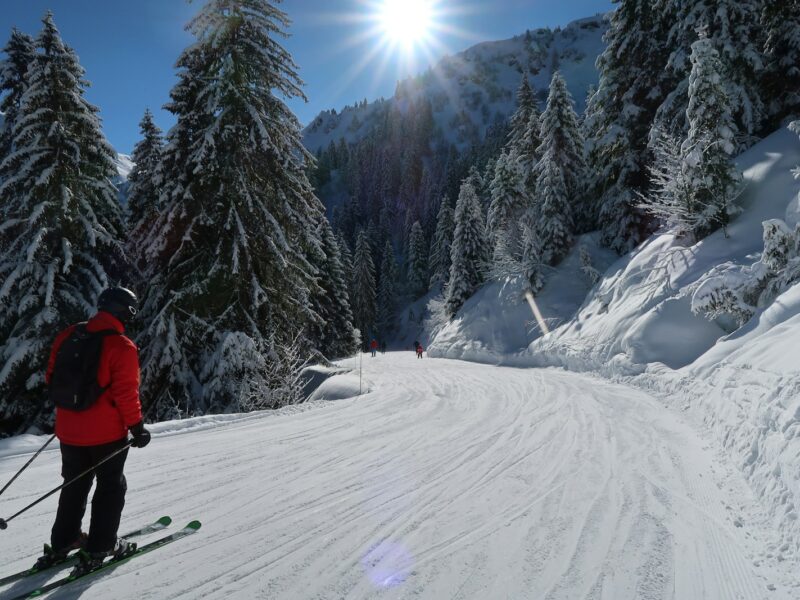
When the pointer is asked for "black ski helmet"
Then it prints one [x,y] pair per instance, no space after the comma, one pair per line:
[120,302]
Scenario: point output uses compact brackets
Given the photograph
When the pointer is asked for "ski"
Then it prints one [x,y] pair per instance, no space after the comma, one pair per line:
[153,527]
[154,545]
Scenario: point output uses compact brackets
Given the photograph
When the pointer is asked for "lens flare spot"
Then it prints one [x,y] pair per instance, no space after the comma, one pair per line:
[387,564]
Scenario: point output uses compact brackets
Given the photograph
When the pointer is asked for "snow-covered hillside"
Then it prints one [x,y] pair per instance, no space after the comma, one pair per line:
[124,167]
[449,480]
[636,325]
[469,91]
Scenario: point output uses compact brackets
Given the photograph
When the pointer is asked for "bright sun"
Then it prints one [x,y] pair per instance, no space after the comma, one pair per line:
[406,22]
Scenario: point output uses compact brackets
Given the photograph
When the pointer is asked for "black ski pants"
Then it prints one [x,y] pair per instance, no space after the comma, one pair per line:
[107,502]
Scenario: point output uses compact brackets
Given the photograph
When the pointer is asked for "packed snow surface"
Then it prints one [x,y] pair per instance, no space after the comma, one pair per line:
[447,480]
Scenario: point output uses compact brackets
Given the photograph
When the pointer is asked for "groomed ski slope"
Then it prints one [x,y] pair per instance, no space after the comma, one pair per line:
[447,480]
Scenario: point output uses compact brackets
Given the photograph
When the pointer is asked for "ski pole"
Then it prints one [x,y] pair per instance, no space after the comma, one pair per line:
[4,522]
[25,466]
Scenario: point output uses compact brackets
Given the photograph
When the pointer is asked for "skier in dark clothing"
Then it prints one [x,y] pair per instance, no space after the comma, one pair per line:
[416,345]
[90,435]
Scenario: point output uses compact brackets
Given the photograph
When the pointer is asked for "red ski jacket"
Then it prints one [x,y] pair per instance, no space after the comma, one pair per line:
[118,407]
[373,345]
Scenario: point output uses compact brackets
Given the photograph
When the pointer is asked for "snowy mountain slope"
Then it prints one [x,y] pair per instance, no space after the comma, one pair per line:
[124,167]
[450,480]
[636,325]
[497,321]
[650,290]
[470,90]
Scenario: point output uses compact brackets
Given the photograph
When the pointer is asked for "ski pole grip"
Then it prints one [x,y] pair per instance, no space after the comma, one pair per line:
[3,524]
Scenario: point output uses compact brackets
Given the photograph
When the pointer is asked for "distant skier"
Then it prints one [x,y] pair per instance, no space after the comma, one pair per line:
[420,350]
[383,347]
[416,345]
[105,407]
[373,346]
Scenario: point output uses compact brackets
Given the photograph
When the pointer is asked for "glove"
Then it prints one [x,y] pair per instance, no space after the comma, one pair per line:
[141,437]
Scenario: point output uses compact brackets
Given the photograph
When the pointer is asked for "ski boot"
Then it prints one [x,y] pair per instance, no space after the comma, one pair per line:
[91,561]
[52,557]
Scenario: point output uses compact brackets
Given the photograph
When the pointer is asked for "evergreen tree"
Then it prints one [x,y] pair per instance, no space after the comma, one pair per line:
[554,216]
[363,296]
[707,151]
[563,146]
[528,151]
[442,241]
[781,21]
[417,262]
[531,259]
[387,293]
[468,252]
[347,260]
[508,197]
[230,249]
[734,31]
[20,53]
[143,188]
[619,116]
[333,335]
[520,120]
[61,240]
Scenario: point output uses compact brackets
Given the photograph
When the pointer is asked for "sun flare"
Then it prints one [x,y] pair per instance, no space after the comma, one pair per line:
[406,22]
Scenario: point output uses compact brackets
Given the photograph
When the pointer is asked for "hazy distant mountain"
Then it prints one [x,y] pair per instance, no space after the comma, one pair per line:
[471,90]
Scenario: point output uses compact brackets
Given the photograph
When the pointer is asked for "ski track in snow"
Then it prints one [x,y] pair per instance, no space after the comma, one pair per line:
[451,480]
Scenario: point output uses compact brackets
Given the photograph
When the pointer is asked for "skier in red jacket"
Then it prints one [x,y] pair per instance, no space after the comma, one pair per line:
[91,435]
[373,346]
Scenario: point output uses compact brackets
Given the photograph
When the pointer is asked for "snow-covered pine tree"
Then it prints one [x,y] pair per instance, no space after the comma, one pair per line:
[781,20]
[734,31]
[387,293]
[346,256]
[468,252]
[333,336]
[619,117]
[232,280]
[61,239]
[587,268]
[143,187]
[520,120]
[508,198]
[20,52]
[363,292]
[707,151]
[417,262]
[562,148]
[531,257]
[440,248]
[554,212]
[528,151]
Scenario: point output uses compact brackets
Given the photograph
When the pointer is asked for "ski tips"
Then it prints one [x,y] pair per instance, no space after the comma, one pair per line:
[164,521]
[194,525]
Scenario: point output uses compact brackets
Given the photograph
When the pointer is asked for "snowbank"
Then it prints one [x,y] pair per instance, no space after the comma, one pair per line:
[340,387]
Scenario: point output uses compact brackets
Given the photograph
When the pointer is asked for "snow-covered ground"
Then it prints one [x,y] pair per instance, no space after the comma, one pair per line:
[636,326]
[447,480]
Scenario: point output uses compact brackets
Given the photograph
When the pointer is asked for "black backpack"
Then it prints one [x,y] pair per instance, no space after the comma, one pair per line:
[73,382]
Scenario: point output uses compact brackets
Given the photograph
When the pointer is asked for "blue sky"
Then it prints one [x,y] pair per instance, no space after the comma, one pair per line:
[129,48]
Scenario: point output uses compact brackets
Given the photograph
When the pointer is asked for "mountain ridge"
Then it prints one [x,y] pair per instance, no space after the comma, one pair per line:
[473,89]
